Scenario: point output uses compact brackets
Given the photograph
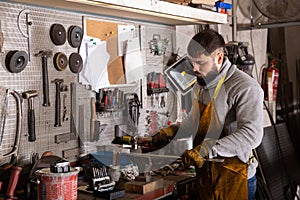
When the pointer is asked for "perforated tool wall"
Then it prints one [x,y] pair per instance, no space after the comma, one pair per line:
[31,35]
[32,39]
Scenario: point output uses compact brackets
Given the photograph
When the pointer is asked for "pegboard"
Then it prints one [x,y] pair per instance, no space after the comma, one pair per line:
[15,37]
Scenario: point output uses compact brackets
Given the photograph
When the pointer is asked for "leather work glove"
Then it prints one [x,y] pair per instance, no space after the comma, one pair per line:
[164,136]
[192,157]
[198,155]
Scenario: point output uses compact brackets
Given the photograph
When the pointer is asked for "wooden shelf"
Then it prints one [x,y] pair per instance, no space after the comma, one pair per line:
[153,11]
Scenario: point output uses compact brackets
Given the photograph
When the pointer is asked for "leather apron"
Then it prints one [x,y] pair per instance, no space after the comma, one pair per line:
[218,180]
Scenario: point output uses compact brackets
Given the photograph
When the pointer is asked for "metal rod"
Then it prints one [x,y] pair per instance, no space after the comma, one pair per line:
[246,27]
[234,20]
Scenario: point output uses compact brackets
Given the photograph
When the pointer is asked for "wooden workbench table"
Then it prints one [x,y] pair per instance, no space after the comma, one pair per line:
[167,189]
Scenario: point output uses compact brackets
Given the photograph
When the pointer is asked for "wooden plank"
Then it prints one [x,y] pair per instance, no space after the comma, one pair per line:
[71,153]
[142,187]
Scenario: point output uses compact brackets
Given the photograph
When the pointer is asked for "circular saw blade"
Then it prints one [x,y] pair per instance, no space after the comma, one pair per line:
[60,61]
[16,61]
[75,62]
[58,34]
[75,35]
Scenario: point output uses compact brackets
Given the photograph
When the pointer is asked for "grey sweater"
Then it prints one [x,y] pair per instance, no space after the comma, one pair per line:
[239,106]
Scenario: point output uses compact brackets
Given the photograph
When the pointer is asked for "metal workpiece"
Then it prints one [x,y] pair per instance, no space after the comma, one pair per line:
[45,54]
[30,94]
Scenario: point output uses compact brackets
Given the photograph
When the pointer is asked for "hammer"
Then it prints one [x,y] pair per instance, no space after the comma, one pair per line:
[58,83]
[45,54]
[30,94]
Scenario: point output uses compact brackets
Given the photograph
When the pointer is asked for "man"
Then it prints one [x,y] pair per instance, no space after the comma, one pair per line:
[229,126]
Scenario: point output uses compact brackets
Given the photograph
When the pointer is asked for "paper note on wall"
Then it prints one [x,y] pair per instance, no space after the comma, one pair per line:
[125,33]
[95,59]
[134,67]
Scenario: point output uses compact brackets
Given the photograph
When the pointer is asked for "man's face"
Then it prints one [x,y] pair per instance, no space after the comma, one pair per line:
[205,68]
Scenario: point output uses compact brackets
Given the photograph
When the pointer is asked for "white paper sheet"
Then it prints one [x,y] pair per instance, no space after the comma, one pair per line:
[133,61]
[95,59]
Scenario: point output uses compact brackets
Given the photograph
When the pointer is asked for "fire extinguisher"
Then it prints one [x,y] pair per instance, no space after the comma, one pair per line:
[269,81]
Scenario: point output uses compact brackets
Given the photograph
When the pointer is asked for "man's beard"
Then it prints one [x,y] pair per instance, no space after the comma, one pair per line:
[205,80]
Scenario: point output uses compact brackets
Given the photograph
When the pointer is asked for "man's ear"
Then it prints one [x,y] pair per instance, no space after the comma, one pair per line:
[219,58]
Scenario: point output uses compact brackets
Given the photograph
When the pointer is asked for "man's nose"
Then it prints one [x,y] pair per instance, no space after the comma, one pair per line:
[195,67]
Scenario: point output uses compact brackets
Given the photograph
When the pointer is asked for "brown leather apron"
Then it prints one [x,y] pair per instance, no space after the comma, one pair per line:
[218,180]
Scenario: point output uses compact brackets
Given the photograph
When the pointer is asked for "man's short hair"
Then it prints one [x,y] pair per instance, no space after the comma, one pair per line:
[205,42]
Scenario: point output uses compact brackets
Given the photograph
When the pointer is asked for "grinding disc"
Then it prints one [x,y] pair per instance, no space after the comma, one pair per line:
[75,36]
[16,61]
[58,34]
[75,62]
[60,61]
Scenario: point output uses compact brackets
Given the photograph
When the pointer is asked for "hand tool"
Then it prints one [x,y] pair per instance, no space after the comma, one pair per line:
[14,152]
[65,116]
[93,119]
[27,34]
[3,114]
[58,83]
[30,94]
[13,183]
[1,38]
[45,54]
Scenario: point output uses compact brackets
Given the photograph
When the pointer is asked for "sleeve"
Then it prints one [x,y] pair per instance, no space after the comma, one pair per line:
[248,105]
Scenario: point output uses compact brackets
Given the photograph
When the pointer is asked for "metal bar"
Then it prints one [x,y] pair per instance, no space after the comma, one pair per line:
[246,27]
[234,20]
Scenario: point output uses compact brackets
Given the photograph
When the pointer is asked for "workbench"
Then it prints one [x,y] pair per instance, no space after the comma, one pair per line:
[171,183]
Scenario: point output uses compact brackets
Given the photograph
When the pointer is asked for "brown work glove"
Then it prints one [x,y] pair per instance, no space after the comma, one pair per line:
[197,155]
[192,157]
[164,136]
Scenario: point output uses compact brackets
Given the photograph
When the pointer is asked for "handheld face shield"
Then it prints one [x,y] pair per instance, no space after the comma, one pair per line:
[181,74]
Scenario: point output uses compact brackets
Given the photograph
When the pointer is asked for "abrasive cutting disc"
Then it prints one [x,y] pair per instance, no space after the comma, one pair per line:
[75,62]
[60,61]
[58,34]
[16,61]
[75,36]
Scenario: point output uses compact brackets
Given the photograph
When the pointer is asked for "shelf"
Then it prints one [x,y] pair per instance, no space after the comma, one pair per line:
[153,11]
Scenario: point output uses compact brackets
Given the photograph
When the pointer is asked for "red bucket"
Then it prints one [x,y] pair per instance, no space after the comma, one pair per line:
[58,186]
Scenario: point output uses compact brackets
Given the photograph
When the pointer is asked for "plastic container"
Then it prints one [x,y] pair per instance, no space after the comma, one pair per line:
[59,186]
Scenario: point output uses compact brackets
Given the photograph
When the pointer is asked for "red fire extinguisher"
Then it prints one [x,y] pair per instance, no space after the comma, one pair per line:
[269,81]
